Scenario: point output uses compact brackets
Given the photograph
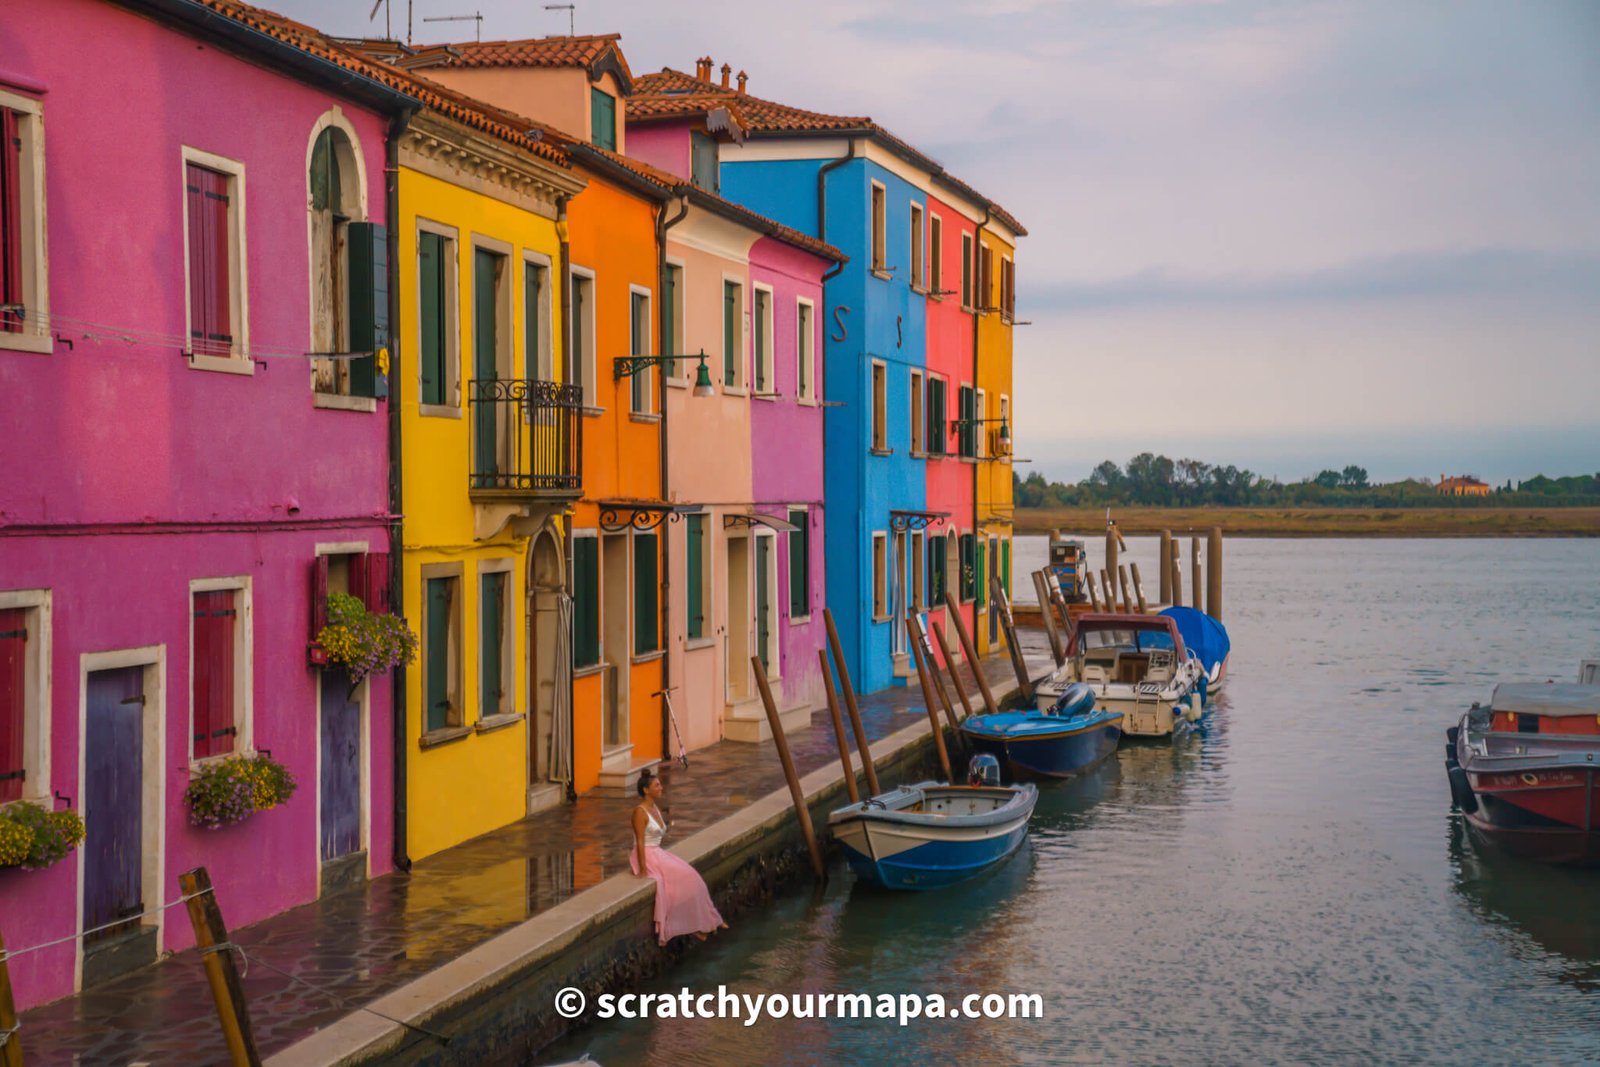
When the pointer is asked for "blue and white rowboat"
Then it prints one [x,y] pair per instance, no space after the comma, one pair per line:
[1066,740]
[929,835]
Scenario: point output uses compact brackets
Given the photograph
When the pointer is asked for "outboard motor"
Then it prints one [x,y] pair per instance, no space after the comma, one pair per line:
[1075,699]
[983,769]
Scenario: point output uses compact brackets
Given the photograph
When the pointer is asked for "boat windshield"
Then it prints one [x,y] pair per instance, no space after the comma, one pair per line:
[1127,640]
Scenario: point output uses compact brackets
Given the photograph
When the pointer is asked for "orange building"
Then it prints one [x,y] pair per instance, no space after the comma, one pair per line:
[1461,485]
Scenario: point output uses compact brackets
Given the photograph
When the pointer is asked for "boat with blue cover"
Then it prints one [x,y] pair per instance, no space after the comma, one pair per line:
[930,835]
[1067,738]
[1136,664]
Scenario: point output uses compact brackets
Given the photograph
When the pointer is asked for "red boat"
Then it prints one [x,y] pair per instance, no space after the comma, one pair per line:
[1523,770]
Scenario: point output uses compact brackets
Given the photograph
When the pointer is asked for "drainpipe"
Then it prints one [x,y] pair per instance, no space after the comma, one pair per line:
[663,224]
[397,540]
[564,270]
[977,315]
[822,201]
[833,272]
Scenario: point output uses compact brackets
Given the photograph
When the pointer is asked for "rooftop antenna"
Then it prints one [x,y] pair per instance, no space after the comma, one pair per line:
[476,16]
[571,10]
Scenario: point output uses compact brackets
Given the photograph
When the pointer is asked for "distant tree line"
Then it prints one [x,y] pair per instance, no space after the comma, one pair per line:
[1157,481]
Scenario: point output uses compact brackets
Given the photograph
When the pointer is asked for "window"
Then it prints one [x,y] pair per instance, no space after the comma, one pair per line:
[799,564]
[980,578]
[493,433]
[1005,565]
[935,255]
[966,271]
[672,327]
[602,119]
[763,337]
[916,413]
[938,428]
[980,408]
[436,320]
[585,600]
[703,163]
[966,427]
[985,279]
[646,594]
[916,246]
[880,240]
[581,372]
[880,576]
[806,353]
[918,601]
[880,407]
[219,676]
[537,352]
[24,694]
[1008,289]
[938,569]
[697,567]
[643,382]
[495,655]
[349,271]
[24,296]
[214,234]
[952,561]
[732,334]
[969,550]
[441,650]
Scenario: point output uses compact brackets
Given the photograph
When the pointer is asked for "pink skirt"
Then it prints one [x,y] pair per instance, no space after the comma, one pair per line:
[683,904]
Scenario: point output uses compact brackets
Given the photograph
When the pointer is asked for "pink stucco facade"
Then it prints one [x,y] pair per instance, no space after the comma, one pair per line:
[126,474]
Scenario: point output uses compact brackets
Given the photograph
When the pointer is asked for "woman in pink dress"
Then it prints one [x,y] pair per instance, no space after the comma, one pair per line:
[683,904]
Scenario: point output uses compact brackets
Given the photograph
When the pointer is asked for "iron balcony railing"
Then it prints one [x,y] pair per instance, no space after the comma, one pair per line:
[527,438]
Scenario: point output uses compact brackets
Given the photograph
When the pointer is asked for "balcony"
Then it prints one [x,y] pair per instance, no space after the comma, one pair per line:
[527,440]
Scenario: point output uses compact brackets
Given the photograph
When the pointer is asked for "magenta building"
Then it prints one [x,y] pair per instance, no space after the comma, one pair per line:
[193,207]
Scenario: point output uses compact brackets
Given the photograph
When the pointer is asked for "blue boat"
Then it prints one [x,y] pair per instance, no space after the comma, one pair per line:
[1067,739]
[928,835]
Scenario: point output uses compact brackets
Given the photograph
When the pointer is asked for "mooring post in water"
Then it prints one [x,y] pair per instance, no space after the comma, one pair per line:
[1009,625]
[1214,574]
[955,672]
[933,670]
[1094,595]
[1060,604]
[1194,569]
[850,703]
[1164,569]
[10,1032]
[927,698]
[838,727]
[1122,580]
[1112,542]
[1175,573]
[1138,588]
[971,653]
[216,956]
[1047,612]
[1110,589]
[801,812]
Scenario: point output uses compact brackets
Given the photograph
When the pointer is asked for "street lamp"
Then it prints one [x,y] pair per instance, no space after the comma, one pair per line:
[628,366]
[1004,440]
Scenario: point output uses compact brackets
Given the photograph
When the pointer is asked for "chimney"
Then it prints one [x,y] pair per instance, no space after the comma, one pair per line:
[743,77]
[726,70]
[702,68]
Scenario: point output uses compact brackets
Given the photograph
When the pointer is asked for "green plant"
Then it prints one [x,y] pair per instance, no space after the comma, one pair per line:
[33,837]
[230,790]
[364,642]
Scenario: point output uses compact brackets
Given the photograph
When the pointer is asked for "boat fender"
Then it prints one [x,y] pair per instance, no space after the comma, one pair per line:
[1450,757]
[1194,711]
[1461,794]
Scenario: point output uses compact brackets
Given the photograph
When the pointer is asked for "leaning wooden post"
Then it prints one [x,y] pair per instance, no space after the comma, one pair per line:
[967,650]
[10,1036]
[933,671]
[1122,580]
[1111,551]
[927,698]
[1138,587]
[801,812]
[1094,595]
[1060,604]
[211,938]
[1214,573]
[955,672]
[850,704]
[1164,571]
[1175,573]
[838,727]
[1194,569]
[1047,613]
[1024,683]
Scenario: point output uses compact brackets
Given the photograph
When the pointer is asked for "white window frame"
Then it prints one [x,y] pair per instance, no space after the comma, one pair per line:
[644,379]
[451,309]
[880,580]
[455,636]
[586,359]
[1008,288]
[969,272]
[741,344]
[919,247]
[980,411]
[879,223]
[880,412]
[919,413]
[678,372]
[35,334]
[797,619]
[334,118]
[635,655]
[243,668]
[935,254]
[806,351]
[539,365]
[509,644]
[765,332]
[505,355]
[36,697]
[778,599]
[238,360]
[708,586]
[918,570]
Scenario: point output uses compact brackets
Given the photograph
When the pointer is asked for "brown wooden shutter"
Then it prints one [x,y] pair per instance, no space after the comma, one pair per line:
[210,329]
[215,617]
[369,581]
[319,595]
[10,222]
[13,693]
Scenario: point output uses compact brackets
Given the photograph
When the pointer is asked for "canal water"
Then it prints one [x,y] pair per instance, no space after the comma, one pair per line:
[1286,886]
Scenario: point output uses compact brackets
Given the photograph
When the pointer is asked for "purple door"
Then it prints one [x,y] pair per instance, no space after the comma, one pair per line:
[113,798]
[341,767]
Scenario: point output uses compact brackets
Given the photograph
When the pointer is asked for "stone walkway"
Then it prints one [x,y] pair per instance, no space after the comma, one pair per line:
[357,945]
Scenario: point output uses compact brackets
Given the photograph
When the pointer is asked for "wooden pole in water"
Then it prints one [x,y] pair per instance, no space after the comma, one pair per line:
[1024,683]
[1175,573]
[967,650]
[1060,605]
[1194,569]
[927,698]
[1047,613]
[1138,587]
[933,671]
[801,812]
[1111,555]
[850,703]
[1164,571]
[1122,579]
[1109,593]
[1094,595]
[211,938]
[1214,573]
[838,727]
[955,675]
[10,1036]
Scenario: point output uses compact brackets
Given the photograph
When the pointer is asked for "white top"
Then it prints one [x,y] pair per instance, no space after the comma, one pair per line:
[653,831]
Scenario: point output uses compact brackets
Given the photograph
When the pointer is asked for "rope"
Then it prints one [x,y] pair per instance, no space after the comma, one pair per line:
[10,953]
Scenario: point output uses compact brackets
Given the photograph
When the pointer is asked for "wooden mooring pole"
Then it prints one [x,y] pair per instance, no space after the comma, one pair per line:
[850,704]
[801,812]
[1094,596]
[955,672]
[10,1033]
[1122,580]
[927,698]
[1138,587]
[933,670]
[838,727]
[1214,574]
[1007,623]
[970,652]
[1175,573]
[211,938]
[1194,570]
[1047,612]
[1164,569]
[1110,591]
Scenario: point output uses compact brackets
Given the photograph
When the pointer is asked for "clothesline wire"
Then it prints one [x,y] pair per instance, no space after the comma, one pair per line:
[125,920]
[95,331]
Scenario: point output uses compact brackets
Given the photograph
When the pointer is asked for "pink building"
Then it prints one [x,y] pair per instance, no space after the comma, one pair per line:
[177,473]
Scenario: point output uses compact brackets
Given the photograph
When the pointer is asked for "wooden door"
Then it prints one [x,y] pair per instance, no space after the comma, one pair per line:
[485,369]
[763,601]
[113,799]
[341,766]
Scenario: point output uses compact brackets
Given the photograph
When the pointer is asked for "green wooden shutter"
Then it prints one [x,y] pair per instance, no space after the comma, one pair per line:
[695,579]
[968,562]
[436,641]
[585,601]
[646,590]
[730,333]
[762,309]
[430,282]
[485,272]
[703,170]
[800,565]
[764,593]
[1005,565]
[639,345]
[368,298]
[602,120]
[669,312]
[532,285]
[979,579]
[491,643]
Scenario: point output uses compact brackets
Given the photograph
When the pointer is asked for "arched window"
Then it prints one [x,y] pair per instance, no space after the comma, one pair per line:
[345,275]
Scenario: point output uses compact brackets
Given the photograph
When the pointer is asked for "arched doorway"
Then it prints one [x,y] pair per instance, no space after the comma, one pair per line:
[549,673]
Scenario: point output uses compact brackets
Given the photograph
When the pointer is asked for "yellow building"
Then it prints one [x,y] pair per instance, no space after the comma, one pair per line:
[992,496]
[1461,485]
[490,459]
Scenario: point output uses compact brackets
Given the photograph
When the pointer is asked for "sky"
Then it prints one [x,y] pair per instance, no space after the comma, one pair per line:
[1283,234]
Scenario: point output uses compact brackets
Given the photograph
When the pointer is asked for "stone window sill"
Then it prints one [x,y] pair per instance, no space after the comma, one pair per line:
[439,411]
[337,402]
[222,364]
[497,722]
[39,344]
[435,738]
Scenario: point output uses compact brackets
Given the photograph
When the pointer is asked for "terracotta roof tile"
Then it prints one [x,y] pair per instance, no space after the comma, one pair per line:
[582,52]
